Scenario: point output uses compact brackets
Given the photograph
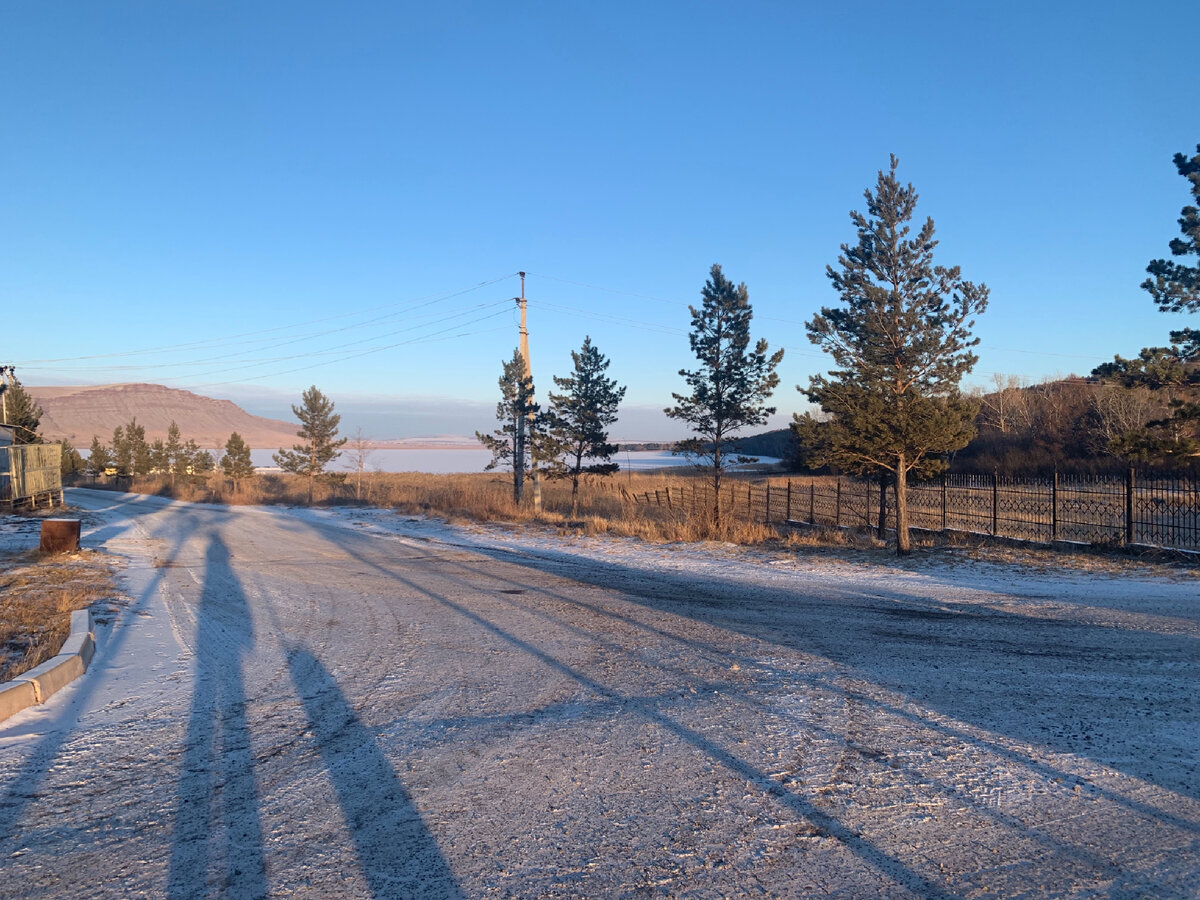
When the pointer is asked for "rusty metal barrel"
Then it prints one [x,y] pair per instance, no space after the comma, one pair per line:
[59,535]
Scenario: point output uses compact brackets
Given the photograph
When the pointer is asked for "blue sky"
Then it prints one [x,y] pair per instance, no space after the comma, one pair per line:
[273,195]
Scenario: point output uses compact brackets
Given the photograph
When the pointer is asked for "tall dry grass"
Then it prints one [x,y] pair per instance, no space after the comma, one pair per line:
[38,593]
[615,505]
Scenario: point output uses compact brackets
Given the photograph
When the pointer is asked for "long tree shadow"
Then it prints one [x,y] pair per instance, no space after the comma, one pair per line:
[647,708]
[218,832]
[966,660]
[397,854]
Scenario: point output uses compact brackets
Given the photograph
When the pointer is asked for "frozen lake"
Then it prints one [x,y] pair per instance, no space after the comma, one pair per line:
[445,461]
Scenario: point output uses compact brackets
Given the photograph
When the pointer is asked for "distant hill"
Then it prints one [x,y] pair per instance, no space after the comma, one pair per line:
[78,413]
[776,443]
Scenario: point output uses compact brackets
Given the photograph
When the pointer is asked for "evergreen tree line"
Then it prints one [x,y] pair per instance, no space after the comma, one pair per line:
[568,439]
[130,454]
[901,340]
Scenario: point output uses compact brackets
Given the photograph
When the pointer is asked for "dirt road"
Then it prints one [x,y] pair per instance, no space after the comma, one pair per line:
[292,706]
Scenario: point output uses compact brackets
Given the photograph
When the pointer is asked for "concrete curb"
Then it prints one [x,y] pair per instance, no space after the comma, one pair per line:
[40,683]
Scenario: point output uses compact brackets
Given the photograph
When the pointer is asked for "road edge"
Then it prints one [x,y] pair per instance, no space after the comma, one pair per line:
[41,682]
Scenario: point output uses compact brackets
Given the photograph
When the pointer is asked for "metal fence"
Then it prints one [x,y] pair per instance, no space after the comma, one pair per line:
[1137,509]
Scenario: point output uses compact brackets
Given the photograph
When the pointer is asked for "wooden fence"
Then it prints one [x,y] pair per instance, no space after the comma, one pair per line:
[31,473]
[1138,509]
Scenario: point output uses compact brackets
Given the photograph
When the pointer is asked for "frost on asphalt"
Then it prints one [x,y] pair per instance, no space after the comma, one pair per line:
[362,704]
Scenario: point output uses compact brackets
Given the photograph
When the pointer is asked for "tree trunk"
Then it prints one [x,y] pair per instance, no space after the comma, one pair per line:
[519,461]
[575,497]
[717,497]
[903,540]
[717,480]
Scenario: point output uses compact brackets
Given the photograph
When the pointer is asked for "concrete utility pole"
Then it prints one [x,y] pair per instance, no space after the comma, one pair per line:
[521,426]
[7,373]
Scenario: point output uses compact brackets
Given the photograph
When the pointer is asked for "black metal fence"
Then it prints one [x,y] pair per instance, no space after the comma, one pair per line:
[1138,509]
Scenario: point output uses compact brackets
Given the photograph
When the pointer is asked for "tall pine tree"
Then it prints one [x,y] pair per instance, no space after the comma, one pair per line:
[176,459]
[72,461]
[236,463]
[139,450]
[730,388]
[901,342]
[122,453]
[578,420]
[22,414]
[99,457]
[1175,286]
[318,430]
[1174,371]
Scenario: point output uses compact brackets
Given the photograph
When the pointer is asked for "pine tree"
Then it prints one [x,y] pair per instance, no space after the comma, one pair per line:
[730,389]
[160,460]
[99,457]
[513,442]
[122,453]
[1174,286]
[139,450]
[176,459]
[578,420]
[902,344]
[236,463]
[318,429]
[72,462]
[194,460]
[1172,372]
[22,414]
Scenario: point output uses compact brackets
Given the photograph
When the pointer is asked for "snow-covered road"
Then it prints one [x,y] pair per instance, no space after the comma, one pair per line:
[361,704]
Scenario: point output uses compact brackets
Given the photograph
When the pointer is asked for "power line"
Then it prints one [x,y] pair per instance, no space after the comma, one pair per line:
[436,298]
[274,359]
[425,339]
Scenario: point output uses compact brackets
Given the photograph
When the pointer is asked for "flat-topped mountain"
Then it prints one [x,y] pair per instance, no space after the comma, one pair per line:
[78,413]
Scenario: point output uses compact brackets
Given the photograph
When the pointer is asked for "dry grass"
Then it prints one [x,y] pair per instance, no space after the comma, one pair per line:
[606,506]
[617,506]
[38,593]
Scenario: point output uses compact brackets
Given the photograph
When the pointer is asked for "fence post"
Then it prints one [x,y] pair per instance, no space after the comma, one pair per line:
[837,505]
[1129,506]
[788,509]
[943,503]
[768,516]
[669,498]
[1054,507]
[881,525]
[812,502]
[995,502]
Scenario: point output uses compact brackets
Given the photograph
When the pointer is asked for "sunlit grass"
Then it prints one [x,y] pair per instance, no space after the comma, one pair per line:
[627,505]
[38,593]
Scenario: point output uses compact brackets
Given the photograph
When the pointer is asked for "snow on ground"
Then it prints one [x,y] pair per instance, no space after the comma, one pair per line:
[531,714]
